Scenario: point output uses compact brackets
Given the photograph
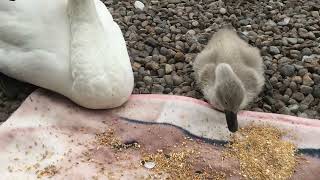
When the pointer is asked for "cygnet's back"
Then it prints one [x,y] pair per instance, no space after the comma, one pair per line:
[227,47]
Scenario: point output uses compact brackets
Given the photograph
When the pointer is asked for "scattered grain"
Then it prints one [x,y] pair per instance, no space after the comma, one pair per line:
[108,138]
[262,153]
[178,165]
[48,171]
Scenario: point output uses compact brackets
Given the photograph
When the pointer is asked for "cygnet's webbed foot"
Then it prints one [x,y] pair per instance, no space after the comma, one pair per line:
[232,121]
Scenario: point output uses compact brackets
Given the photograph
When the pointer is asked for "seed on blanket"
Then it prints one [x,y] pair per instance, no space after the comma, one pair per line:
[48,171]
[262,153]
[108,138]
[179,165]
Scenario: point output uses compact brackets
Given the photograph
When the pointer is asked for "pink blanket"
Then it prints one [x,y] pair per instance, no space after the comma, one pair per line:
[49,136]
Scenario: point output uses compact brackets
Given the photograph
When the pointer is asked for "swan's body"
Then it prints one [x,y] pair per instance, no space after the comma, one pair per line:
[230,73]
[72,47]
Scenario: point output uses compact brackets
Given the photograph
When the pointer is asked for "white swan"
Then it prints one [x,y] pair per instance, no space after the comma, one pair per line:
[72,47]
[230,73]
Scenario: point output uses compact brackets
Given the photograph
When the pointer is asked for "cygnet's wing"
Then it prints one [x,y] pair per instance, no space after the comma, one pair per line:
[252,80]
[204,67]
[232,49]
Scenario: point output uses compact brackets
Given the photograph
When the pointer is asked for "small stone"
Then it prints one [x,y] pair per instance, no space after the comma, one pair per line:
[152,42]
[267,107]
[306,89]
[306,52]
[164,51]
[284,22]
[292,40]
[157,89]
[166,39]
[292,101]
[298,96]
[288,92]
[177,80]
[191,32]
[307,80]
[285,98]
[274,50]
[293,86]
[179,56]
[284,110]
[302,115]
[269,100]
[303,107]
[192,94]
[179,65]
[186,89]
[168,79]
[316,78]
[136,66]
[273,80]
[148,80]
[295,53]
[244,22]
[302,72]
[315,14]
[287,70]
[297,79]
[168,68]
[294,108]
[195,23]
[223,10]
[167,91]
[162,59]
[308,100]
[305,34]
[316,91]
[311,113]
[161,72]
[153,65]
[156,58]
[271,23]
[279,104]
[158,30]
[3,116]
[139,5]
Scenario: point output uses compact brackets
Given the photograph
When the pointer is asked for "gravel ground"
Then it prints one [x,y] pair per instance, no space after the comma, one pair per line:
[164,38]
[12,94]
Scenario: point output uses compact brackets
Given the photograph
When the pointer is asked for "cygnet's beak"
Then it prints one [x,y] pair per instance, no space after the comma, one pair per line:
[232,121]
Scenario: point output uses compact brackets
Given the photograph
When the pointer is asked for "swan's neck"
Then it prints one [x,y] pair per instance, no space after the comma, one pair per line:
[88,44]
[87,35]
[82,10]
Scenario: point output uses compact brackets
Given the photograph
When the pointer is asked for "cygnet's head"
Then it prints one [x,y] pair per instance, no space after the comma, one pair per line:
[227,93]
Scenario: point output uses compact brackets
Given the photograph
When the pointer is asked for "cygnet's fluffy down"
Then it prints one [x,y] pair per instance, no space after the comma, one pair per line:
[230,73]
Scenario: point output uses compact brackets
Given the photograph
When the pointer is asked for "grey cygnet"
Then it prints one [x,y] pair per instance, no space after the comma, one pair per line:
[230,73]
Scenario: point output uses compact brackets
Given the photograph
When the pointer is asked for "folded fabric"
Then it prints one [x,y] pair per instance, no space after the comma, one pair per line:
[49,136]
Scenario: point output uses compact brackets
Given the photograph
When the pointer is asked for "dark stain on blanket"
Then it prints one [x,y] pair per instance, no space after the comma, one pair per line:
[305,151]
